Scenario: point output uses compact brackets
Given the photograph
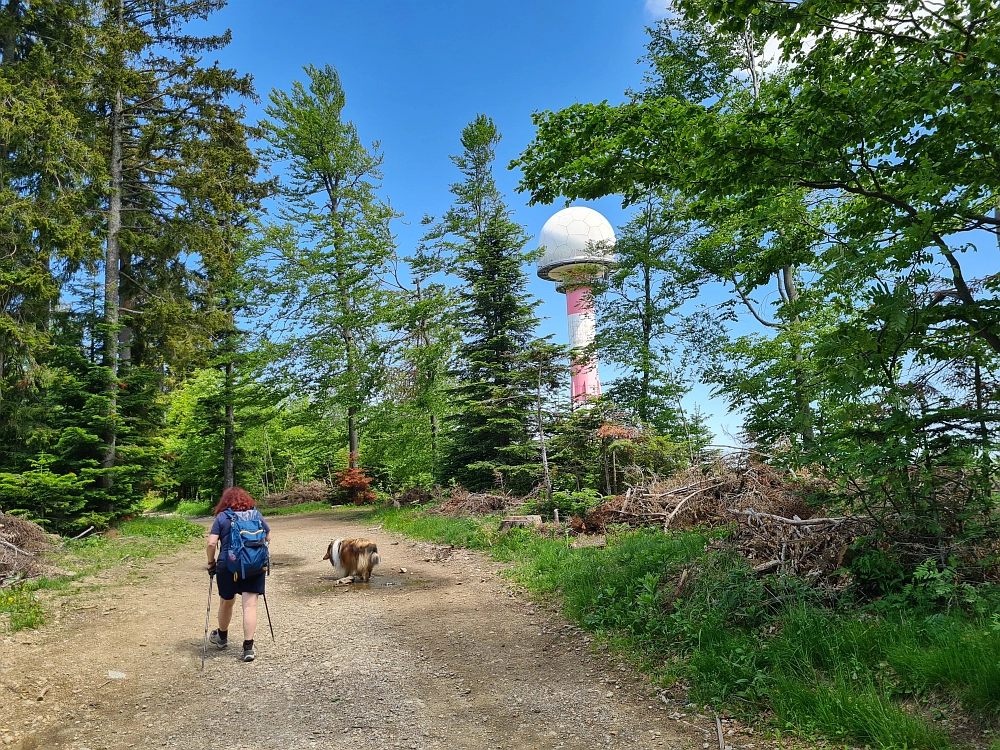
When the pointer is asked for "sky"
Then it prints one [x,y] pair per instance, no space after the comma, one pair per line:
[415,73]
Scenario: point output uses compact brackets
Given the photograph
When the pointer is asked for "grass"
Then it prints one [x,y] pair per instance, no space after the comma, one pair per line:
[137,539]
[291,510]
[759,646]
[190,509]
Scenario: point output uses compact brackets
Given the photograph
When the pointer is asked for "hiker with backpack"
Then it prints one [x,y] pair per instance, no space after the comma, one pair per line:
[242,565]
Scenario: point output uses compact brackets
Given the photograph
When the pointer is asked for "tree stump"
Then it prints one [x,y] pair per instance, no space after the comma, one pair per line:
[521,522]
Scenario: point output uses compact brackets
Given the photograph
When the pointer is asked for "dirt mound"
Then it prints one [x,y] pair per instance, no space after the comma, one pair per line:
[308,492]
[20,541]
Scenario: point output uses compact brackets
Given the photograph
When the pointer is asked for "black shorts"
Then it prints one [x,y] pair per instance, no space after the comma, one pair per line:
[229,588]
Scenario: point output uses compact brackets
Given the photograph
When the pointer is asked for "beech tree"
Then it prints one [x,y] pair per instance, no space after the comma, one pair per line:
[335,247]
[857,173]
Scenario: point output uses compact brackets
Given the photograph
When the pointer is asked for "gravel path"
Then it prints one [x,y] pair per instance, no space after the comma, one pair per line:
[443,655]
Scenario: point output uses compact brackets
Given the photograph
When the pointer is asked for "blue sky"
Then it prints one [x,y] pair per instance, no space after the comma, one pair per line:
[416,72]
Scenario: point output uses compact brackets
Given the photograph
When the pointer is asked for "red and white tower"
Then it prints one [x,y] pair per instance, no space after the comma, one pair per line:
[577,247]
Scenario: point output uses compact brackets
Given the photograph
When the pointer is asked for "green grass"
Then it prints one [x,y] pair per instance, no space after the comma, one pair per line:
[760,646]
[193,509]
[190,509]
[479,534]
[137,539]
[291,510]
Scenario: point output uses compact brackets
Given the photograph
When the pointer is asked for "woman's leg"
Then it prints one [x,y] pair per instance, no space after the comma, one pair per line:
[249,615]
[226,613]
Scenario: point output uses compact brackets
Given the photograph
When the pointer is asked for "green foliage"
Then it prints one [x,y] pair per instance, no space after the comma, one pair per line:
[464,532]
[484,248]
[188,508]
[858,712]
[841,234]
[638,305]
[160,531]
[22,609]
[568,504]
[51,499]
[334,249]
[139,538]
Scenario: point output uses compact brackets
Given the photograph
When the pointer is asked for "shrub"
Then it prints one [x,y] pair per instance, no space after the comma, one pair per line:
[355,486]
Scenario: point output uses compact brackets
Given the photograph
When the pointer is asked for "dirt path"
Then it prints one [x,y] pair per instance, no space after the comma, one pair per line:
[441,656]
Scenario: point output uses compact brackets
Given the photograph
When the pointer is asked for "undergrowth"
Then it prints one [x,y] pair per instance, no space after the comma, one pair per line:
[192,509]
[864,673]
[136,539]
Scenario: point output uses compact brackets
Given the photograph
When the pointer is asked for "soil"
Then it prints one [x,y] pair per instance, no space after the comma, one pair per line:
[437,651]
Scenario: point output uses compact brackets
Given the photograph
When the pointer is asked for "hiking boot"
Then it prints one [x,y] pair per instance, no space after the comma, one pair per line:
[218,640]
[249,654]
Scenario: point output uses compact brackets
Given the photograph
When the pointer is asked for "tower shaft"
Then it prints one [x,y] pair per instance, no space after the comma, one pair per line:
[582,329]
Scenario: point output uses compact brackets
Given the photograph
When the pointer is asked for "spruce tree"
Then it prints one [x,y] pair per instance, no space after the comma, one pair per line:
[157,103]
[495,395]
[46,224]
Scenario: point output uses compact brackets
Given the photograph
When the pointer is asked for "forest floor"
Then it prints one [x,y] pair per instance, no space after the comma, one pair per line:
[445,654]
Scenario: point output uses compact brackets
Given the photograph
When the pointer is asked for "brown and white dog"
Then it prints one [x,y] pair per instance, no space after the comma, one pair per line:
[352,558]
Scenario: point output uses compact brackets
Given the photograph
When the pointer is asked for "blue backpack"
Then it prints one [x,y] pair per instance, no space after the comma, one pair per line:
[248,554]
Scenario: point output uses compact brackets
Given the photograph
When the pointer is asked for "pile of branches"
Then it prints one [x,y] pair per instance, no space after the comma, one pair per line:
[20,541]
[702,496]
[415,496]
[310,492]
[461,502]
[812,547]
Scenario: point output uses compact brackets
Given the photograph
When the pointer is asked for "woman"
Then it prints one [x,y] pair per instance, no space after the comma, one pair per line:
[237,500]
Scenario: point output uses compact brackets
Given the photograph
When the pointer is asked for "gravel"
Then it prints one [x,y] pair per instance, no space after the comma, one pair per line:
[445,655]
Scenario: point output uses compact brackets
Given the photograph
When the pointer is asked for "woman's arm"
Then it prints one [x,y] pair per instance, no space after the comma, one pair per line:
[213,540]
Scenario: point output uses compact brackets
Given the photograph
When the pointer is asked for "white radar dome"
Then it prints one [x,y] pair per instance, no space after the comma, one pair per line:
[574,238]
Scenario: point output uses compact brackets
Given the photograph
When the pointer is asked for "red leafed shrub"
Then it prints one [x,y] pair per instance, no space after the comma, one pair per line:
[354,484]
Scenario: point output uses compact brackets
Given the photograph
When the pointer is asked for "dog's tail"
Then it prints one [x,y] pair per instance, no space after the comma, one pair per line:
[368,560]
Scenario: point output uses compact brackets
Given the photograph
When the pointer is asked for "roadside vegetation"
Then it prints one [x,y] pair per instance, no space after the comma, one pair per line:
[21,606]
[809,185]
[917,669]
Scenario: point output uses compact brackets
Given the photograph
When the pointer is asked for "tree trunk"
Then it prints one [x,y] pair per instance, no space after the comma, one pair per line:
[352,437]
[541,438]
[111,284]
[228,473]
[647,321]
[9,40]
[801,401]
[434,439]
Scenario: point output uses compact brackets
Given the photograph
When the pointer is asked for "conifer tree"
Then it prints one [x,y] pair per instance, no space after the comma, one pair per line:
[156,99]
[46,225]
[495,394]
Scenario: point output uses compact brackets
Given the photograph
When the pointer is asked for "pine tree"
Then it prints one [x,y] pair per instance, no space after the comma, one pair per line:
[495,394]
[639,308]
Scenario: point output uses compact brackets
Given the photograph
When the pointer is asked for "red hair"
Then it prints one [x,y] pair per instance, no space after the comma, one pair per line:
[235,498]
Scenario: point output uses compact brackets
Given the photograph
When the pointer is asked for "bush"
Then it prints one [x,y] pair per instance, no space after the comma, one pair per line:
[567,503]
[355,486]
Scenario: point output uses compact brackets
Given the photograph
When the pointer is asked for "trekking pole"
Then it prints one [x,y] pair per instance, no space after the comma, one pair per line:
[268,617]
[208,615]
